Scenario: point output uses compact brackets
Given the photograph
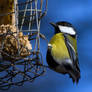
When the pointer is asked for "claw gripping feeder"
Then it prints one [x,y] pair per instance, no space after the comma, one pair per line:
[20,56]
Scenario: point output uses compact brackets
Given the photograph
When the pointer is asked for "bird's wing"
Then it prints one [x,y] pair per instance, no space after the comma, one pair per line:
[72,53]
[70,48]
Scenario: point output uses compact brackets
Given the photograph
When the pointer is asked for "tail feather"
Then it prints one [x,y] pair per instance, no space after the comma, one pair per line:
[75,75]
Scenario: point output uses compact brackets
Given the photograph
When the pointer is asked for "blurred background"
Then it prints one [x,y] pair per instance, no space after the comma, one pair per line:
[79,13]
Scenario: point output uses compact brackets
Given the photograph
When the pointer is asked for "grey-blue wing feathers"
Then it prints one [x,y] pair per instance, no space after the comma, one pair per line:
[74,69]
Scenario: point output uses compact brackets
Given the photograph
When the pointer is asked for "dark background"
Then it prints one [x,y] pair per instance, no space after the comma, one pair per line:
[79,13]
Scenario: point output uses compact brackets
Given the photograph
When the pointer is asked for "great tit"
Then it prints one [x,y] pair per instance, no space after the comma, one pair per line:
[62,54]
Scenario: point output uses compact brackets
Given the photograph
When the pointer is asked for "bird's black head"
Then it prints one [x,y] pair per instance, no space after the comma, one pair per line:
[64,27]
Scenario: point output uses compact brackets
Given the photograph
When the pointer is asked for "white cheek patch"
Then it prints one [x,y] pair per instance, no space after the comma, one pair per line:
[68,30]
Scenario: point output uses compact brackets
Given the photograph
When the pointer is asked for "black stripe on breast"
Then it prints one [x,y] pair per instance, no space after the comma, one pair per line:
[51,62]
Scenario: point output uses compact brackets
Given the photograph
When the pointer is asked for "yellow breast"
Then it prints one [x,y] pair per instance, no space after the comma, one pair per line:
[59,50]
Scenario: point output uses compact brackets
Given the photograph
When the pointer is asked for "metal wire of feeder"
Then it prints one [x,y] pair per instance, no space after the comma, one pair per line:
[17,70]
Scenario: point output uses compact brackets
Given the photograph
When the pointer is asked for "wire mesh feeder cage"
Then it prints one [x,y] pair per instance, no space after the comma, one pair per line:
[20,56]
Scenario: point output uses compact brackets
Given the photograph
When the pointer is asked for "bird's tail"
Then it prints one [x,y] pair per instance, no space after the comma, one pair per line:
[75,75]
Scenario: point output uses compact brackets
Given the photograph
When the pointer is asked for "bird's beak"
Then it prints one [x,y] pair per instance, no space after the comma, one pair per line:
[53,24]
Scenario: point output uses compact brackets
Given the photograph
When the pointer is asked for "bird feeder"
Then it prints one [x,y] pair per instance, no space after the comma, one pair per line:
[20,56]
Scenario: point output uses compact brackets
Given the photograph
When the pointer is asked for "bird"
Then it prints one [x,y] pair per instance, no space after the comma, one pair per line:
[62,54]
